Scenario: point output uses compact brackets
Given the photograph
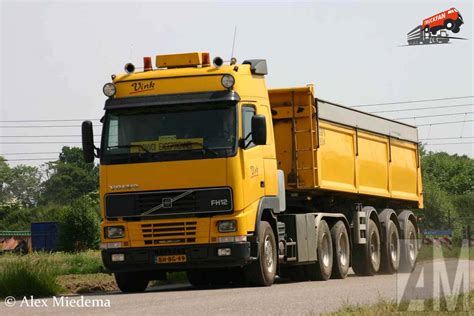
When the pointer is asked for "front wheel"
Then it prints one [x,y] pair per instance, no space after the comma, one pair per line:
[261,272]
[449,24]
[456,29]
[131,282]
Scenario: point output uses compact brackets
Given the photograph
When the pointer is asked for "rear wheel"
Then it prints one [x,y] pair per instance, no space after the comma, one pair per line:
[409,249]
[342,250]
[131,282]
[261,272]
[322,269]
[449,24]
[366,258]
[391,250]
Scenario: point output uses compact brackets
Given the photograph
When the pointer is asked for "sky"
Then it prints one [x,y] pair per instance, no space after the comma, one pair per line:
[56,56]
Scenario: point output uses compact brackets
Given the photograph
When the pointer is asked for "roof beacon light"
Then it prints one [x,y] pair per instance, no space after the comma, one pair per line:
[129,68]
[109,89]
[147,66]
[218,61]
[228,81]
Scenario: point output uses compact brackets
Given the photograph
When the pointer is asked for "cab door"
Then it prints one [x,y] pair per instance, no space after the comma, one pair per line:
[254,175]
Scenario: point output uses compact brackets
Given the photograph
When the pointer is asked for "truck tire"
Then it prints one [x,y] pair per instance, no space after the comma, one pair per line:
[408,249]
[449,24]
[131,282]
[426,29]
[366,258]
[341,250]
[261,272]
[391,250]
[322,269]
[456,29]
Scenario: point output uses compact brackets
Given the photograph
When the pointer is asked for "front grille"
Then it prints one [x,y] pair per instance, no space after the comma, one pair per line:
[169,233]
[169,203]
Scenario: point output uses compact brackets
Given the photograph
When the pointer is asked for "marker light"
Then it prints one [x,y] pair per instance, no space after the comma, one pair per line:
[109,89]
[147,64]
[217,61]
[129,68]
[228,81]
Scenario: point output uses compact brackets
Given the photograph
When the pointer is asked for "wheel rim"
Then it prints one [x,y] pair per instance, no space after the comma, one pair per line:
[268,252]
[374,248]
[325,250]
[449,25]
[412,246]
[393,247]
[343,249]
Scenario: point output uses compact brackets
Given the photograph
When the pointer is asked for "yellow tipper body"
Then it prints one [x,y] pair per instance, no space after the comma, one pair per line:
[332,150]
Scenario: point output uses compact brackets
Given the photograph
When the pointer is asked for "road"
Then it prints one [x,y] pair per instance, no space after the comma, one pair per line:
[307,298]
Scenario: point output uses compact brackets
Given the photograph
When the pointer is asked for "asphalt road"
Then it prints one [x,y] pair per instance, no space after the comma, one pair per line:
[307,298]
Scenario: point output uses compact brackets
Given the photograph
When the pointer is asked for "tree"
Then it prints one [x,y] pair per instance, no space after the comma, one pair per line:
[69,177]
[23,185]
[79,225]
[4,174]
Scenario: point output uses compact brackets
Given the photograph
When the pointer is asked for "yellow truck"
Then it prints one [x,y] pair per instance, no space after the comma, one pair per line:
[205,170]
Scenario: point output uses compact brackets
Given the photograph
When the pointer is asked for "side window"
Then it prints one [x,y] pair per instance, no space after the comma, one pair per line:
[248,112]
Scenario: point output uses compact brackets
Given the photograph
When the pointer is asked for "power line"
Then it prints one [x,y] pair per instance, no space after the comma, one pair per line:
[440,138]
[39,126]
[442,123]
[37,153]
[436,115]
[462,143]
[47,120]
[413,101]
[8,136]
[424,108]
[24,143]
[42,159]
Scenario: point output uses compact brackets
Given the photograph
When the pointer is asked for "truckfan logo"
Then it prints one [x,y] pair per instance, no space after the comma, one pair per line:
[434,30]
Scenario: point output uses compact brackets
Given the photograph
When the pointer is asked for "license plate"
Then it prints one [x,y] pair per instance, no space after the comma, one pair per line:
[171,259]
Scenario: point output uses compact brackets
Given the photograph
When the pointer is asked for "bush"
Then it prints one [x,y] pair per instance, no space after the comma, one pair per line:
[79,226]
[25,277]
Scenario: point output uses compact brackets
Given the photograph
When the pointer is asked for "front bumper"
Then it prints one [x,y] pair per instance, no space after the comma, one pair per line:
[197,256]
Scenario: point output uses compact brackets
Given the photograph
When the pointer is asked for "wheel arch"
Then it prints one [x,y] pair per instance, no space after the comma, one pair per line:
[384,217]
[265,212]
[404,217]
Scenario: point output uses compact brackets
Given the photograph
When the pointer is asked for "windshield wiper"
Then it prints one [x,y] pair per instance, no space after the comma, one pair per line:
[130,146]
[195,143]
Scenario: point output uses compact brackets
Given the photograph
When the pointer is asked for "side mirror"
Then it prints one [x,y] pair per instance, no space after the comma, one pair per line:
[259,130]
[88,141]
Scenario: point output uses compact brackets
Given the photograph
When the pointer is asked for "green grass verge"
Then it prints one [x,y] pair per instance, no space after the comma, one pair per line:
[28,277]
[62,263]
[452,305]
[427,252]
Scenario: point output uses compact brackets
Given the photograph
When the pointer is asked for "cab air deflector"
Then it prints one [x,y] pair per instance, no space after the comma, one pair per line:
[171,99]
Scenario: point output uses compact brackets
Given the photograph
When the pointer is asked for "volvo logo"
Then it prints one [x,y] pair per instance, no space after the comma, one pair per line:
[167,202]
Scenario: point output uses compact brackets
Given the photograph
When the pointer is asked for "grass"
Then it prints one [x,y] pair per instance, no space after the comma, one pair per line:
[28,277]
[62,263]
[452,305]
[427,252]
[87,283]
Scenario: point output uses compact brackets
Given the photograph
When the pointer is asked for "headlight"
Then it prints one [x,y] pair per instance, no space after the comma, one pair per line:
[227,81]
[109,89]
[114,232]
[227,226]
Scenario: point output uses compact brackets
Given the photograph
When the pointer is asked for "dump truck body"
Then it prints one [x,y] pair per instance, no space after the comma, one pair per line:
[328,148]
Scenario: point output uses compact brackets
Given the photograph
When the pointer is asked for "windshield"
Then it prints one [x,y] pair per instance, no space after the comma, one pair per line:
[175,132]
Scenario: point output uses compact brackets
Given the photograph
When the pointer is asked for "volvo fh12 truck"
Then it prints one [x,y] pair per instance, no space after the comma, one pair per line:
[205,170]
